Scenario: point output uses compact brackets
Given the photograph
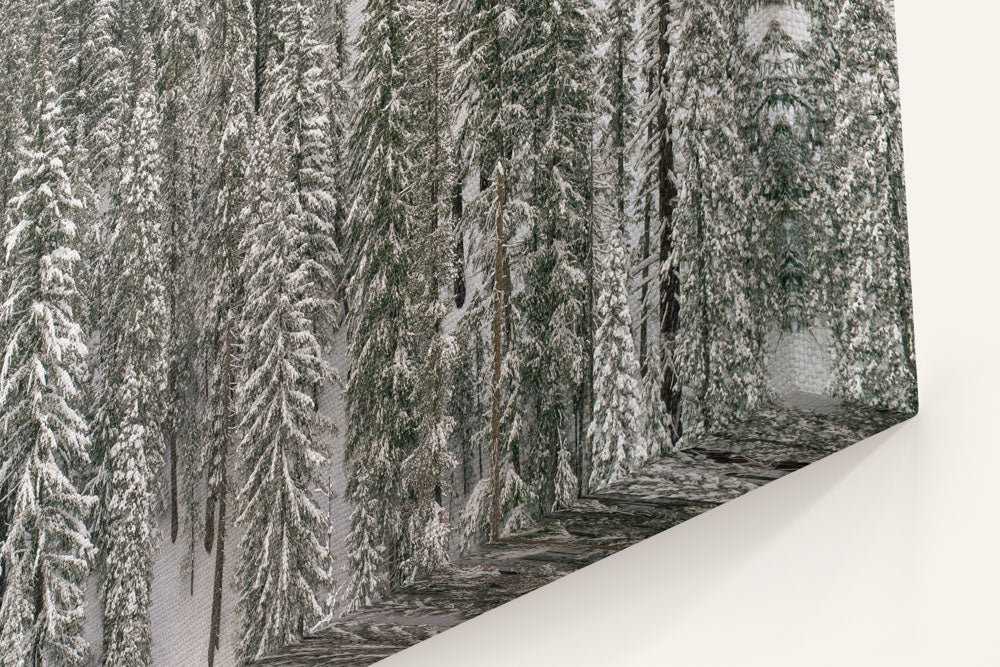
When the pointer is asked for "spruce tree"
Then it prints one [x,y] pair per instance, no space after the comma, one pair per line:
[656,196]
[429,67]
[13,64]
[874,330]
[717,353]
[295,93]
[380,422]
[177,46]
[282,567]
[230,107]
[134,371]
[492,129]
[516,501]
[46,551]
[617,431]
[557,88]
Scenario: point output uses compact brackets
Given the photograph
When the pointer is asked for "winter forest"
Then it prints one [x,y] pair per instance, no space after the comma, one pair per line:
[301,300]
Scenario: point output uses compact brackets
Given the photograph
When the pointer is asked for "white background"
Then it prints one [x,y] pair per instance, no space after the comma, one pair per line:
[885,554]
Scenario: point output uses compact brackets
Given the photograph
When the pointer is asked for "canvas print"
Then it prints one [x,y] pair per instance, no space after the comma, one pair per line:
[326,325]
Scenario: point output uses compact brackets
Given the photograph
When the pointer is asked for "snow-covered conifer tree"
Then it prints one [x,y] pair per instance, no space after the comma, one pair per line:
[133,366]
[517,501]
[46,551]
[717,353]
[874,329]
[618,100]
[430,70]
[230,56]
[177,41]
[295,93]
[13,64]
[380,423]
[617,433]
[283,555]
[655,199]
[492,130]
[557,91]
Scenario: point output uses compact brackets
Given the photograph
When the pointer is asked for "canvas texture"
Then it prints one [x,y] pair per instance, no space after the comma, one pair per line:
[327,325]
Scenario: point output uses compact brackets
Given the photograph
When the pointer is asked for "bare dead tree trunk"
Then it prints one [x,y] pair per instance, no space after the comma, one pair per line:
[498,304]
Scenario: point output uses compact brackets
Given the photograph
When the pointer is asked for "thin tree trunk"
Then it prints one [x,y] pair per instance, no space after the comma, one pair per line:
[669,281]
[172,391]
[644,292]
[588,392]
[210,521]
[498,304]
[221,491]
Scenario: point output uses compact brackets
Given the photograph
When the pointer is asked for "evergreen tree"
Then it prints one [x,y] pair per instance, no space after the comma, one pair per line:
[656,197]
[380,422]
[13,61]
[557,90]
[515,498]
[618,101]
[332,21]
[429,68]
[177,46]
[230,107]
[874,330]
[134,372]
[717,353]
[617,431]
[295,98]
[282,568]
[129,539]
[46,550]
[493,127]
[13,45]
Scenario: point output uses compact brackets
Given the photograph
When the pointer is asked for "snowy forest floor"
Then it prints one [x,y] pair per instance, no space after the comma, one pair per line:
[658,496]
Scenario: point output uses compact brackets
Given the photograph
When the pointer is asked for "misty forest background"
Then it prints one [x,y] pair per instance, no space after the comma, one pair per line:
[200,198]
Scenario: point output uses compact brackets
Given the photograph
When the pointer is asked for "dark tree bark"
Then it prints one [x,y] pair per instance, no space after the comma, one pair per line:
[669,280]
[499,298]
[221,491]
[172,381]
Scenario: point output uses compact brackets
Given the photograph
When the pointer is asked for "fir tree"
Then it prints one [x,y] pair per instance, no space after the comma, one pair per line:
[516,500]
[557,92]
[656,197]
[134,373]
[717,353]
[429,67]
[332,27]
[231,104]
[13,52]
[177,46]
[380,423]
[46,550]
[492,129]
[282,568]
[295,99]
[617,430]
[875,339]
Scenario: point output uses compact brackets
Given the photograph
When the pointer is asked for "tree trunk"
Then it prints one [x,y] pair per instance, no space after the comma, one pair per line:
[588,389]
[669,280]
[644,291]
[209,522]
[498,304]
[221,492]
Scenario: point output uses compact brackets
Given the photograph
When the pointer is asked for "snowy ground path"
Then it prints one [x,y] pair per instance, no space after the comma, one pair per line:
[660,495]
